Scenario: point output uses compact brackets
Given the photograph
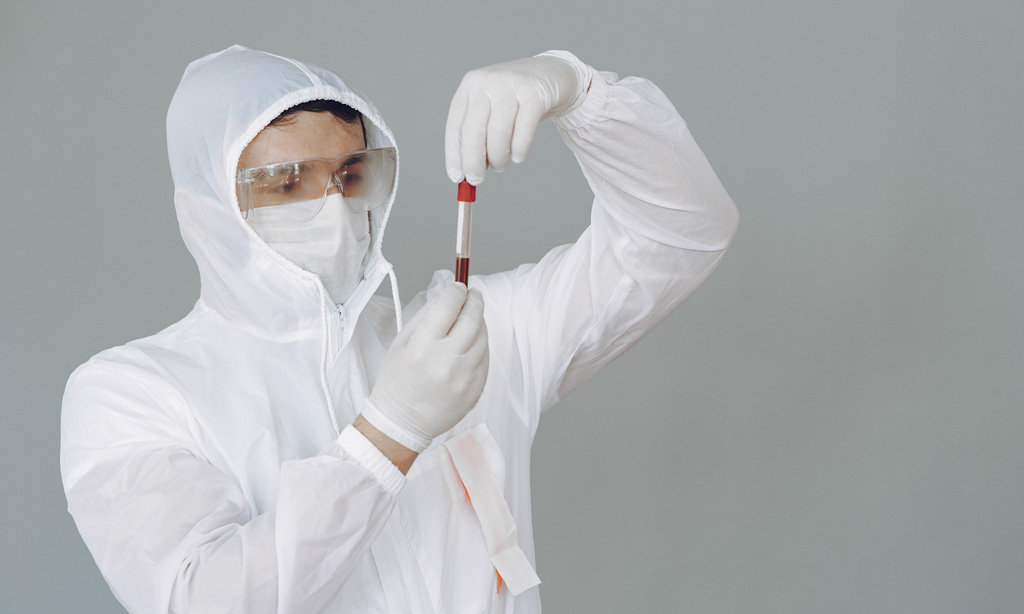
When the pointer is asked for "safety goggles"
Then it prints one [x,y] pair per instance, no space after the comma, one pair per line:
[296,190]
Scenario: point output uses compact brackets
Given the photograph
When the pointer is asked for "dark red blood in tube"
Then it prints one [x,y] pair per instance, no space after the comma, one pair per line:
[462,270]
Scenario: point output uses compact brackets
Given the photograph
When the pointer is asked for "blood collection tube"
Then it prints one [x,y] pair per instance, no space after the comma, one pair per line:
[467,196]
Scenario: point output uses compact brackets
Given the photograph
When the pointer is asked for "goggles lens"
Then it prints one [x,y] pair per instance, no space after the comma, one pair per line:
[296,190]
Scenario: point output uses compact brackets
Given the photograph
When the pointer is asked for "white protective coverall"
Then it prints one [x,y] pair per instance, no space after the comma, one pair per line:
[204,465]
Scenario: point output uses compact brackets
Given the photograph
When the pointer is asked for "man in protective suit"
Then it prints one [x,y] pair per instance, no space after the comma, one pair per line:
[290,445]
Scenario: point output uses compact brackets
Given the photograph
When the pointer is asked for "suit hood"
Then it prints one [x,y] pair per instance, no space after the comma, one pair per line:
[223,101]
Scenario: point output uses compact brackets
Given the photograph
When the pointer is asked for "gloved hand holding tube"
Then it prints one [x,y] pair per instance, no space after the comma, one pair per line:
[493,118]
[495,111]
[434,372]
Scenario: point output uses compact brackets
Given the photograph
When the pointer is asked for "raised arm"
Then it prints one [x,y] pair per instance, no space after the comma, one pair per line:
[660,224]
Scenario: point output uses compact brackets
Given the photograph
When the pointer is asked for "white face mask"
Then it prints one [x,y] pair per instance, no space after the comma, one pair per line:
[333,244]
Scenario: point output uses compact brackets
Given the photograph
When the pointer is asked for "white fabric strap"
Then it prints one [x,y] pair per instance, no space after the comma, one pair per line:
[395,298]
[491,509]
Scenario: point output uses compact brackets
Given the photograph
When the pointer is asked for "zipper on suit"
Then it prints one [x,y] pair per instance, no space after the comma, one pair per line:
[339,333]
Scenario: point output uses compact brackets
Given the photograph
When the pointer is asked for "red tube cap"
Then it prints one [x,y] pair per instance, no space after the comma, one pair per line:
[467,192]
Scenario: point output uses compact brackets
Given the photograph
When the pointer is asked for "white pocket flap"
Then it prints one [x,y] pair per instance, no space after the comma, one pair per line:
[476,466]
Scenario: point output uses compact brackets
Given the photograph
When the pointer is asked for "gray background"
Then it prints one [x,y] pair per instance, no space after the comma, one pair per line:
[831,424]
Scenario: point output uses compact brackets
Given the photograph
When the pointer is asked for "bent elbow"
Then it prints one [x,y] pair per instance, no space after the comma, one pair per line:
[730,221]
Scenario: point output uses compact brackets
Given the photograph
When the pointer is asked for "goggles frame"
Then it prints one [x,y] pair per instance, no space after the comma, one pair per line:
[246,179]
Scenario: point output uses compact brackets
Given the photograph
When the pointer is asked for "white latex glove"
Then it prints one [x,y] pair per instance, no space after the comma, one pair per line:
[496,110]
[435,370]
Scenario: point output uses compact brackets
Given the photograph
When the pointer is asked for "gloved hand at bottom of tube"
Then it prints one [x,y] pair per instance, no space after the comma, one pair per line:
[434,372]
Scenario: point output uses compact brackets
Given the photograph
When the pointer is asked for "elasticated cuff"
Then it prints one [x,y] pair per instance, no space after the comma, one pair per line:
[358,447]
[592,105]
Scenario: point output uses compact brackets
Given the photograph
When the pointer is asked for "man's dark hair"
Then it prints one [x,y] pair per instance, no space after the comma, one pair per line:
[343,112]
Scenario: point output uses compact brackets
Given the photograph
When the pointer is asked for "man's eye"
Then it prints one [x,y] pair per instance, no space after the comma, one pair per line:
[351,165]
[288,185]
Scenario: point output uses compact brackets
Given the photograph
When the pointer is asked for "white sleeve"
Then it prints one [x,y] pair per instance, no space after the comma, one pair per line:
[171,532]
[660,224]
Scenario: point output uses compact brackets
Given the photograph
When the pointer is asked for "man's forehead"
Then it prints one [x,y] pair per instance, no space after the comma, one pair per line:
[309,135]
